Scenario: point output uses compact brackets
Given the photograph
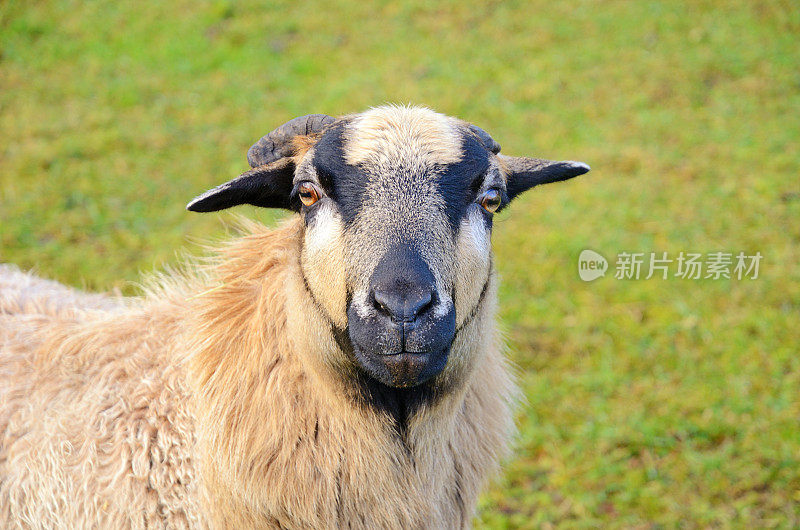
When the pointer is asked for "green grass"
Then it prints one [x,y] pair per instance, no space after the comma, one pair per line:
[656,403]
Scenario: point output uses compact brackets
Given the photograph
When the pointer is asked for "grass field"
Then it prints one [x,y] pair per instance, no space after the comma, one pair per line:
[650,403]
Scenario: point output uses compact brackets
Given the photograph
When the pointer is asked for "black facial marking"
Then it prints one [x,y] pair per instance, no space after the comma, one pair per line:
[459,182]
[343,182]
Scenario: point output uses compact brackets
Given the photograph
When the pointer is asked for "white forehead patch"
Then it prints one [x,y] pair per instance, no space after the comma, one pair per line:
[415,136]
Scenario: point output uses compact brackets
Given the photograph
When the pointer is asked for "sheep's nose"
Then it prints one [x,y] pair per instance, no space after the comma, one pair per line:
[404,336]
[402,304]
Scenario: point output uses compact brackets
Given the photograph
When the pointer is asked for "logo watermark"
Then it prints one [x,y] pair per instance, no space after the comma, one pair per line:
[591,265]
[662,265]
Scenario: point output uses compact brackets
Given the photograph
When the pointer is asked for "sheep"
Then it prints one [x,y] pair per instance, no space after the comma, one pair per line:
[341,370]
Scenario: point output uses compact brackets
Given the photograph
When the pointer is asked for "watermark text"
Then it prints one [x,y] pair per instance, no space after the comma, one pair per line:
[663,265]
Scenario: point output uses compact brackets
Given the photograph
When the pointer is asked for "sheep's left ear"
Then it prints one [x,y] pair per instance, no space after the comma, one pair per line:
[268,186]
[523,173]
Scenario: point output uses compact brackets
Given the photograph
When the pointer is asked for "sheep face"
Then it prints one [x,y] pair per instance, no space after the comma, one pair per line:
[397,244]
[397,204]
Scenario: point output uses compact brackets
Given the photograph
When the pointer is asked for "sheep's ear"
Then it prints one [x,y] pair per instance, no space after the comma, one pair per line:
[523,173]
[268,186]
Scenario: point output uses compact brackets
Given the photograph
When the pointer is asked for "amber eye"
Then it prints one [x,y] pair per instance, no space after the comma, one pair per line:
[491,201]
[308,193]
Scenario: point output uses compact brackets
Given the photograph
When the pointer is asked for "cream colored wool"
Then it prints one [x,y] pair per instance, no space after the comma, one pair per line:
[215,401]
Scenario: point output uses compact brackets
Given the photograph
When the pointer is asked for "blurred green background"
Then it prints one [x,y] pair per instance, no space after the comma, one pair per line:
[650,403]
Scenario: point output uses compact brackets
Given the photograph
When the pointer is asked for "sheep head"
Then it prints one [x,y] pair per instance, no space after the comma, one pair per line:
[397,204]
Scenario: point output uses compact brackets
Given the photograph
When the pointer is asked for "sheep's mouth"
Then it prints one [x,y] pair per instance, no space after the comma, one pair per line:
[408,369]
[405,352]
[402,369]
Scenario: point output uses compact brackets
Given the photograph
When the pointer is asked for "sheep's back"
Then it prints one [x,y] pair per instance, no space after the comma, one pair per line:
[24,293]
[94,429]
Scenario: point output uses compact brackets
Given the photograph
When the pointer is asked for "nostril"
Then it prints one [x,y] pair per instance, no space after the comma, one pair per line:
[380,302]
[424,303]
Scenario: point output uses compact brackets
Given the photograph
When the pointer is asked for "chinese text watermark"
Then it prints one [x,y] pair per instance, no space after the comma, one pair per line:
[663,265]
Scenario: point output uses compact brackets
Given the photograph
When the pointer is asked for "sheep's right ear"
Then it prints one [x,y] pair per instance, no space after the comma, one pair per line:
[268,186]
